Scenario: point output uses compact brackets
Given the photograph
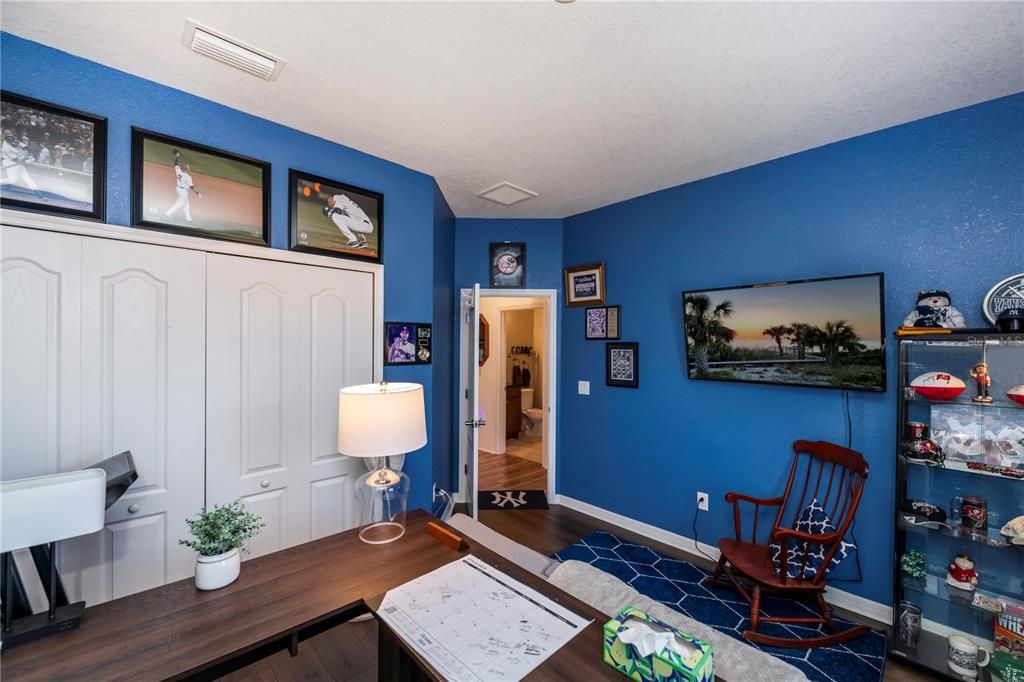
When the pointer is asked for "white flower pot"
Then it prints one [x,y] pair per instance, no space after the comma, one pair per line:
[217,571]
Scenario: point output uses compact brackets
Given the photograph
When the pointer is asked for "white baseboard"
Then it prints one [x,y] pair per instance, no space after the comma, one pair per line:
[845,600]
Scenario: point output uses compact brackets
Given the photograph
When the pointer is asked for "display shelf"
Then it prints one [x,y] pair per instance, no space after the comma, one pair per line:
[935,586]
[930,654]
[957,465]
[960,533]
[995,404]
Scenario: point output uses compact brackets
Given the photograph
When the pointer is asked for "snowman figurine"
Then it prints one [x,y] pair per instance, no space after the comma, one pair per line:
[934,310]
[961,573]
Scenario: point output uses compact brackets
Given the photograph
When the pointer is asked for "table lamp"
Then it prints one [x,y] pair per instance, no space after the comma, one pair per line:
[376,422]
[41,511]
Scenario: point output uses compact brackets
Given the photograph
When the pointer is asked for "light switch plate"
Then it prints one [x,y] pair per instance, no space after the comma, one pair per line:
[584,387]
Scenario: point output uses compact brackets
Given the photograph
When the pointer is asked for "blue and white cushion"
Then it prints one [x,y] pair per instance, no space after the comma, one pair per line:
[812,520]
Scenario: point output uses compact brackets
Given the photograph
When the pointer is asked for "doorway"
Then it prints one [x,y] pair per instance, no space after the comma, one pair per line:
[507,452]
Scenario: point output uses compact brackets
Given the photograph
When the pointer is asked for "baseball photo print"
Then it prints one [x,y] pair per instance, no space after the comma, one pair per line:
[335,219]
[184,187]
[53,159]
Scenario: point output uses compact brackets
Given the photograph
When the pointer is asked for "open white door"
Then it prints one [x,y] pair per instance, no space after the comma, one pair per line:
[474,420]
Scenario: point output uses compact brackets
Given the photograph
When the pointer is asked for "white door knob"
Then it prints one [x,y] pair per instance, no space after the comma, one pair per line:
[133,509]
[264,484]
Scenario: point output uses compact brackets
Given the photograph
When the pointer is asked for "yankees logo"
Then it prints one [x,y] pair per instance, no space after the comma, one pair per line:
[516,499]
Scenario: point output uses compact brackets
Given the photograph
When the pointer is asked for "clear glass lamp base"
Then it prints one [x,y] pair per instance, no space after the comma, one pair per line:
[383,496]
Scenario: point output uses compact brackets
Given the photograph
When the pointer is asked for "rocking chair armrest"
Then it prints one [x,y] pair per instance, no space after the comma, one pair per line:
[735,498]
[782,534]
[731,498]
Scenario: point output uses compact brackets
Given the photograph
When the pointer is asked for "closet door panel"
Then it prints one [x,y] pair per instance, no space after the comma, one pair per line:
[41,276]
[282,341]
[143,390]
[40,353]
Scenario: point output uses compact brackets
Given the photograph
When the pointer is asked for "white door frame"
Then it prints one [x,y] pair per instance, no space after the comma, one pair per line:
[550,382]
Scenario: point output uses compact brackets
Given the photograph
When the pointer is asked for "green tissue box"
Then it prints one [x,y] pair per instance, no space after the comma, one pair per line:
[687,659]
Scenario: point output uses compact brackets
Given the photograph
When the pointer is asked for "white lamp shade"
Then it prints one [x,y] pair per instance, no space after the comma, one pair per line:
[42,509]
[379,420]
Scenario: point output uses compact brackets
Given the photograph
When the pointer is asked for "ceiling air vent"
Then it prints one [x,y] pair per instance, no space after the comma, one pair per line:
[230,51]
[506,194]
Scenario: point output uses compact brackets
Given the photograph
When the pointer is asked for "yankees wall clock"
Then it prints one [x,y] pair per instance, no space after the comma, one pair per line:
[508,265]
[1006,295]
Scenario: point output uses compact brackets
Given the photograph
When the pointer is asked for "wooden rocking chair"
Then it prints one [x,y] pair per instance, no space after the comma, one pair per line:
[747,564]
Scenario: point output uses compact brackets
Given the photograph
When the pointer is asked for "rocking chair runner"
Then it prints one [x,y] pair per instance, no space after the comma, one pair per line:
[832,475]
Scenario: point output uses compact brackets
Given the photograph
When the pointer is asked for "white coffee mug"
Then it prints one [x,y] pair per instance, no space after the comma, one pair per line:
[965,657]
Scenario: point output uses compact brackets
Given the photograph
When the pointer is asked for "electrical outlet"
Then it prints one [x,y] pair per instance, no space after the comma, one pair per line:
[702,501]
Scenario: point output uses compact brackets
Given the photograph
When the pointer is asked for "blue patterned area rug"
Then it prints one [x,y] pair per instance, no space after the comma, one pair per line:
[676,584]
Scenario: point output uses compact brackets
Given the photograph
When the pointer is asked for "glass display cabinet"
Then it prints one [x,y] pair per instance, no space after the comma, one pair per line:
[959,560]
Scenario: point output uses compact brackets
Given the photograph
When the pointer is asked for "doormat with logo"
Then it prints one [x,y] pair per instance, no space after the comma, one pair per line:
[512,499]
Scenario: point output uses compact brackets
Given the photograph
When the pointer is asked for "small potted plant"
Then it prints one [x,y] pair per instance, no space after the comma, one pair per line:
[219,536]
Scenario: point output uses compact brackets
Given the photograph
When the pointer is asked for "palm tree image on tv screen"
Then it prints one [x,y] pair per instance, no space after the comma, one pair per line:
[815,333]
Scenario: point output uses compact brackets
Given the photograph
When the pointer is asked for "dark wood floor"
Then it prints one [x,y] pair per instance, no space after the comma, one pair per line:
[507,472]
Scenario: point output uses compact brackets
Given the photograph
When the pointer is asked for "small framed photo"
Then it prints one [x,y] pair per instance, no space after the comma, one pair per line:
[334,219]
[407,343]
[622,364]
[191,189]
[54,159]
[602,323]
[584,285]
[508,265]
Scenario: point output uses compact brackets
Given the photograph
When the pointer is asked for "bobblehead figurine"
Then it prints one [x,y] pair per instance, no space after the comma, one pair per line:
[934,309]
[961,573]
[984,381]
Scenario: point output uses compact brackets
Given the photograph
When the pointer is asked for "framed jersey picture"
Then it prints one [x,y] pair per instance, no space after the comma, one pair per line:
[53,159]
[188,188]
[334,219]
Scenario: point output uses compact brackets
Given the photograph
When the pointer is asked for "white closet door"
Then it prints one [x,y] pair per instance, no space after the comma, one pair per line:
[282,339]
[41,363]
[143,338]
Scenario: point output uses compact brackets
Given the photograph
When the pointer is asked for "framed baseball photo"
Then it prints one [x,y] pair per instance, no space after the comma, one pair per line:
[54,159]
[622,364]
[602,323]
[407,343]
[508,265]
[584,285]
[191,189]
[334,219]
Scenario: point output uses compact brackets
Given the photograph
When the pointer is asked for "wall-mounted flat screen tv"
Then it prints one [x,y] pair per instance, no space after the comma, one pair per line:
[815,332]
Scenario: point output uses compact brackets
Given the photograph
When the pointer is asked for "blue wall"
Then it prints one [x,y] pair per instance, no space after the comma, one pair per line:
[445,372]
[934,203]
[473,237]
[409,231]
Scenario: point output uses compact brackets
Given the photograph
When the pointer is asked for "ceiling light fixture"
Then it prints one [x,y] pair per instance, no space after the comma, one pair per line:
[506,194]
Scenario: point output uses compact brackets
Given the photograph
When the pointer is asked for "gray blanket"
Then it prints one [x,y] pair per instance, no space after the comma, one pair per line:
[735,661]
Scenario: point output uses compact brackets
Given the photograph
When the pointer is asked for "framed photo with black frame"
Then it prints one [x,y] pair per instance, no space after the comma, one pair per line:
[508,265]
[334,219]
[622,364]
[188,188]
[602,323]
[54,158]
[407,343]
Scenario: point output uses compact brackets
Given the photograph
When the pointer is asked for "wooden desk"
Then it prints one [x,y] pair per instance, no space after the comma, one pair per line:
[178,632]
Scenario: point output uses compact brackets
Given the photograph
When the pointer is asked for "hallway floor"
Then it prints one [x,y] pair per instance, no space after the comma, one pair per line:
[508,472]
[525,449]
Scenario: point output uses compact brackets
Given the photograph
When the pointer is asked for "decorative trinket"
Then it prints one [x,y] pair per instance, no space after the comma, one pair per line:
[983,380]
[918,447]
[961,573]
[934,310]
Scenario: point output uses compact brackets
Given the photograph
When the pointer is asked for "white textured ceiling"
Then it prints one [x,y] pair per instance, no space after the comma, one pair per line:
[587,103]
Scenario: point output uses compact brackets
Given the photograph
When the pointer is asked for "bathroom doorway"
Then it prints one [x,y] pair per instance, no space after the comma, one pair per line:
[516,390]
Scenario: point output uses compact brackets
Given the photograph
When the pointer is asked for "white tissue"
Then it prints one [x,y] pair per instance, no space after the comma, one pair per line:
[650,639]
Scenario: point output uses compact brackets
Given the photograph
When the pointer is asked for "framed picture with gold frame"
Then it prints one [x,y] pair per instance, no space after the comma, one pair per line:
[584,285]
